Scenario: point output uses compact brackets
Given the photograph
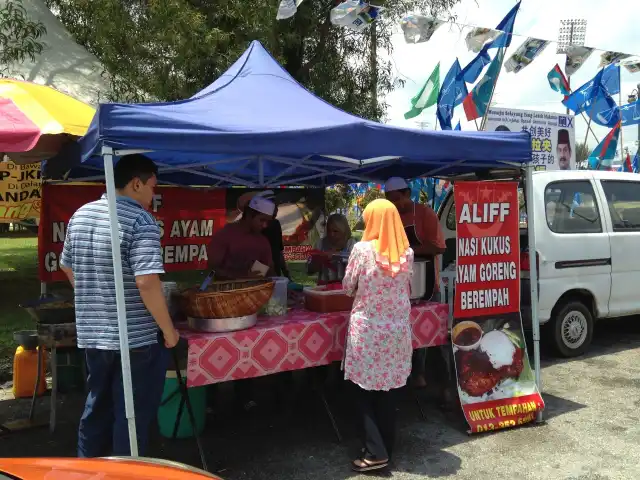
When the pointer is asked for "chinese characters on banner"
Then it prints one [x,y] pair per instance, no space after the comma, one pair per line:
[19,191]
[552,135]
[495,381]
[187,219]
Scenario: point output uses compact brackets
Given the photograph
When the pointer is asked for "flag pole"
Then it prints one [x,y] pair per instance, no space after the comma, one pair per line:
[589,129]
[620,103]
[493,89]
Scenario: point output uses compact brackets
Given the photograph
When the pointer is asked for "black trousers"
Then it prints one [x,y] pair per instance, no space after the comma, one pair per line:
[376,416]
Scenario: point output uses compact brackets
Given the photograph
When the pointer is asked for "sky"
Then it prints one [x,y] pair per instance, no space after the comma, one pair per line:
[611,25]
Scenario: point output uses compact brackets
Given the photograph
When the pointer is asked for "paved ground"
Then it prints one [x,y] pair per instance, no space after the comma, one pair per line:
[592,430]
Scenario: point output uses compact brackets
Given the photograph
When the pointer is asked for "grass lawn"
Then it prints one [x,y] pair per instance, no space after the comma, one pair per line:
[19,282]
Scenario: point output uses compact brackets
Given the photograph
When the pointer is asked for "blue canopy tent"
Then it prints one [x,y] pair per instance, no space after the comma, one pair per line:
[256,126]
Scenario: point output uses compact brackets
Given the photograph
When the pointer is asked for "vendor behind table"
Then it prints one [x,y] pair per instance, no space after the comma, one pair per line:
[426,238]
[338,242]
[235,249]
[273,232]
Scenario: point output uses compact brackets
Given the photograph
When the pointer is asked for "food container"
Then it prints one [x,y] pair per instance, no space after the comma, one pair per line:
[219,325]
[227,299]
[466,335]
[170,290]
[277,304]
[419,278]
[319,299]
[51,310]
[339,262]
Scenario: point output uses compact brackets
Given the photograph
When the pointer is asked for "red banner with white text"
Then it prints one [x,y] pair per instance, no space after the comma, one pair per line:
[496,383]
[187,219]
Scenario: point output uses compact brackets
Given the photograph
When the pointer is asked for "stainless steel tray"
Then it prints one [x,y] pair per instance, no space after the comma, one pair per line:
[219,325]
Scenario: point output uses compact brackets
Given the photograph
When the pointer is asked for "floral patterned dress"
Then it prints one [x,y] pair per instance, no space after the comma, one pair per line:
[378,350]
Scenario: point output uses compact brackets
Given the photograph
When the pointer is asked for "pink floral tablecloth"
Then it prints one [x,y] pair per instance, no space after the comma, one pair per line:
[301,339]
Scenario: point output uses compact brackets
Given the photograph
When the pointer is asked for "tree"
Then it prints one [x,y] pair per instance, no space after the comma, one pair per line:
[19,36]
[337,198]
[369,196]
[582,153]
[170,49]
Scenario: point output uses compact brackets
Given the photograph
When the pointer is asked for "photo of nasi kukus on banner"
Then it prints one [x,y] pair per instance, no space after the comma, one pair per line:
[553,142]
[495,381]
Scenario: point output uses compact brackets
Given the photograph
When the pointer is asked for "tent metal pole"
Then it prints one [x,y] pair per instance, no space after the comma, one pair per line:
[131,151]
[107,153]
[533,276]
[260,171]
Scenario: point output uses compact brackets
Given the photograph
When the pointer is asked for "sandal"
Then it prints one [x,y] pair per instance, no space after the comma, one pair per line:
[361,465]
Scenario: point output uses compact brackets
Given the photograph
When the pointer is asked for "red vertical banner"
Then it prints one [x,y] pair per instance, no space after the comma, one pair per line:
[496,384]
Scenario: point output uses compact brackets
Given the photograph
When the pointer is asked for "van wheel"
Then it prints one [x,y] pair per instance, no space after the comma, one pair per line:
[572,330]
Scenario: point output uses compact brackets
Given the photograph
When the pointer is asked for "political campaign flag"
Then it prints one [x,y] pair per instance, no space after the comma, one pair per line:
[611,79]
[525,54]
[607,58]
[630,113]
[427,96]
[477,101]
[474,68]
[602,156]
[505,26]
[458,126]
[557,81]
[452,93]
[576,56]
[593,99]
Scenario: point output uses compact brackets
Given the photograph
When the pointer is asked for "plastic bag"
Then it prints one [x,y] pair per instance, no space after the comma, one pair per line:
[287,9]
[354,14]
[418,28]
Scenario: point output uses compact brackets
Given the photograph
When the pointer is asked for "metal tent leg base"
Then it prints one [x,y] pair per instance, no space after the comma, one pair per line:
[327,409]
[416,396]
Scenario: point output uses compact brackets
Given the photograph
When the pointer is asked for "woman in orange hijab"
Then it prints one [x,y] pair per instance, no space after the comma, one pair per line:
[378,349]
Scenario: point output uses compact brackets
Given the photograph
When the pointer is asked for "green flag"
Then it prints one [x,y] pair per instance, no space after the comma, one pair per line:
[427,96]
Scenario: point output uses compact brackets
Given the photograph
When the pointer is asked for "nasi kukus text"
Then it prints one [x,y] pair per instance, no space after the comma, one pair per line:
[485,272]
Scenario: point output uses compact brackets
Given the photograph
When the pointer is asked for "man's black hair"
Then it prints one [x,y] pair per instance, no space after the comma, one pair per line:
[133,166]
[249,212]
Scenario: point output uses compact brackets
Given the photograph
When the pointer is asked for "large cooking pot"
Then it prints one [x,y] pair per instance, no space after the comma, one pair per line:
[419,278]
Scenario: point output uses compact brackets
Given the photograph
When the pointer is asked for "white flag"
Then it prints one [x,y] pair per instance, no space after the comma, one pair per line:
[418,28]
[287,9]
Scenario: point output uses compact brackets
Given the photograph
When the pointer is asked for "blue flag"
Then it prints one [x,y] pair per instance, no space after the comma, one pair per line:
[593,99]
[506,26]
[635,161]
[630,113]
[458,126]
[477,101]
[474,68]
[611,79]
[451,94]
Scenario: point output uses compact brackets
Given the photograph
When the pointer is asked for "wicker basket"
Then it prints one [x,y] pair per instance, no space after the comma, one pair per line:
[228,299]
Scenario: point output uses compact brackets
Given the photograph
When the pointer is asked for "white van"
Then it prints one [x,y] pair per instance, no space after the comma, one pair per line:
[587,229]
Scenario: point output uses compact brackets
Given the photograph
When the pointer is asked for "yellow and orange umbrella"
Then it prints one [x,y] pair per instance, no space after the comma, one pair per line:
[36,120]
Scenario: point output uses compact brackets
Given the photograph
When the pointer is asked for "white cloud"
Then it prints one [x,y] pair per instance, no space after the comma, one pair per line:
[611,26]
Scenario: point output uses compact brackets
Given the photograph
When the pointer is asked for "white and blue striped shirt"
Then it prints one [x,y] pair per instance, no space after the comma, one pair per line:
[87,251]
